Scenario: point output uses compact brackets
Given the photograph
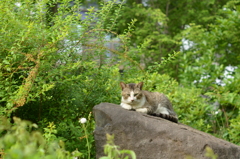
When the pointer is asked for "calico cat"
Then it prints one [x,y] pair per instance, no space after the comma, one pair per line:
[152,103]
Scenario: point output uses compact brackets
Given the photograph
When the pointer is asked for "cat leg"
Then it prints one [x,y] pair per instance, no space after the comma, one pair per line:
[142,110]
[126,106]
[162,110]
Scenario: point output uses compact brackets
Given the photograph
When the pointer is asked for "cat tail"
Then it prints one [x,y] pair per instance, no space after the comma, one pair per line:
[166,116]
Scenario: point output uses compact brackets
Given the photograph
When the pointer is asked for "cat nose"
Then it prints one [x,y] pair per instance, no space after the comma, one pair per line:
[132,100]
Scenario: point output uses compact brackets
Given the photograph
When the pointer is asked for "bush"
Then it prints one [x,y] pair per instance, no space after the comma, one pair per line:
[50,69]
[21,141]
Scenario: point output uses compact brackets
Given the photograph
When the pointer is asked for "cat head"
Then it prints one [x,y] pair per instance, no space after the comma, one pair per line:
[131,93]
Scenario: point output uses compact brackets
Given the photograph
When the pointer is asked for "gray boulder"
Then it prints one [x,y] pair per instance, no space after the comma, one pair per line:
[153,137]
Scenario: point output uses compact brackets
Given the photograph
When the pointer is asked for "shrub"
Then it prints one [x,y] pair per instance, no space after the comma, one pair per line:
[50,69]
[21,141]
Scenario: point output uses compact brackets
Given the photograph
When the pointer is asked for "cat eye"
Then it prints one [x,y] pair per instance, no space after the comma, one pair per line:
[128,94]
[135,94]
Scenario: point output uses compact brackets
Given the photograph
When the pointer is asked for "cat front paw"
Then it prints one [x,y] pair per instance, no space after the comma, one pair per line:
[126,106]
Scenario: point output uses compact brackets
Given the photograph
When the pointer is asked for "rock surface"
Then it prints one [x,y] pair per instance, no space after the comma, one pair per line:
[153,137]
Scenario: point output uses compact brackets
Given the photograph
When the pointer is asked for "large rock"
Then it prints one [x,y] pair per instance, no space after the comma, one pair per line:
[155,138]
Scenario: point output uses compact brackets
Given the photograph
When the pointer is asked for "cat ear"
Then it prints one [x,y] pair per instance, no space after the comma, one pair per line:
[123,85]
[140,85]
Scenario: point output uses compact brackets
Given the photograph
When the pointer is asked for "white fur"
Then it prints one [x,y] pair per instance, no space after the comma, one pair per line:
[162,110]
[126,106]
[132,96]
[142,110]
[140,103]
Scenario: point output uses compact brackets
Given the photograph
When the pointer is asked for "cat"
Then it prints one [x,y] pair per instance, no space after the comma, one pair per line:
[152,103]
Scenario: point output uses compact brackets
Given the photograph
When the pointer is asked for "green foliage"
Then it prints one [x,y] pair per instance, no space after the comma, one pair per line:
[234,129]
[21,141]
[205,64]
[149,41]
[49,132]
[51,73]
[112,151]
[209,153]
[211,49]
[29,51]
